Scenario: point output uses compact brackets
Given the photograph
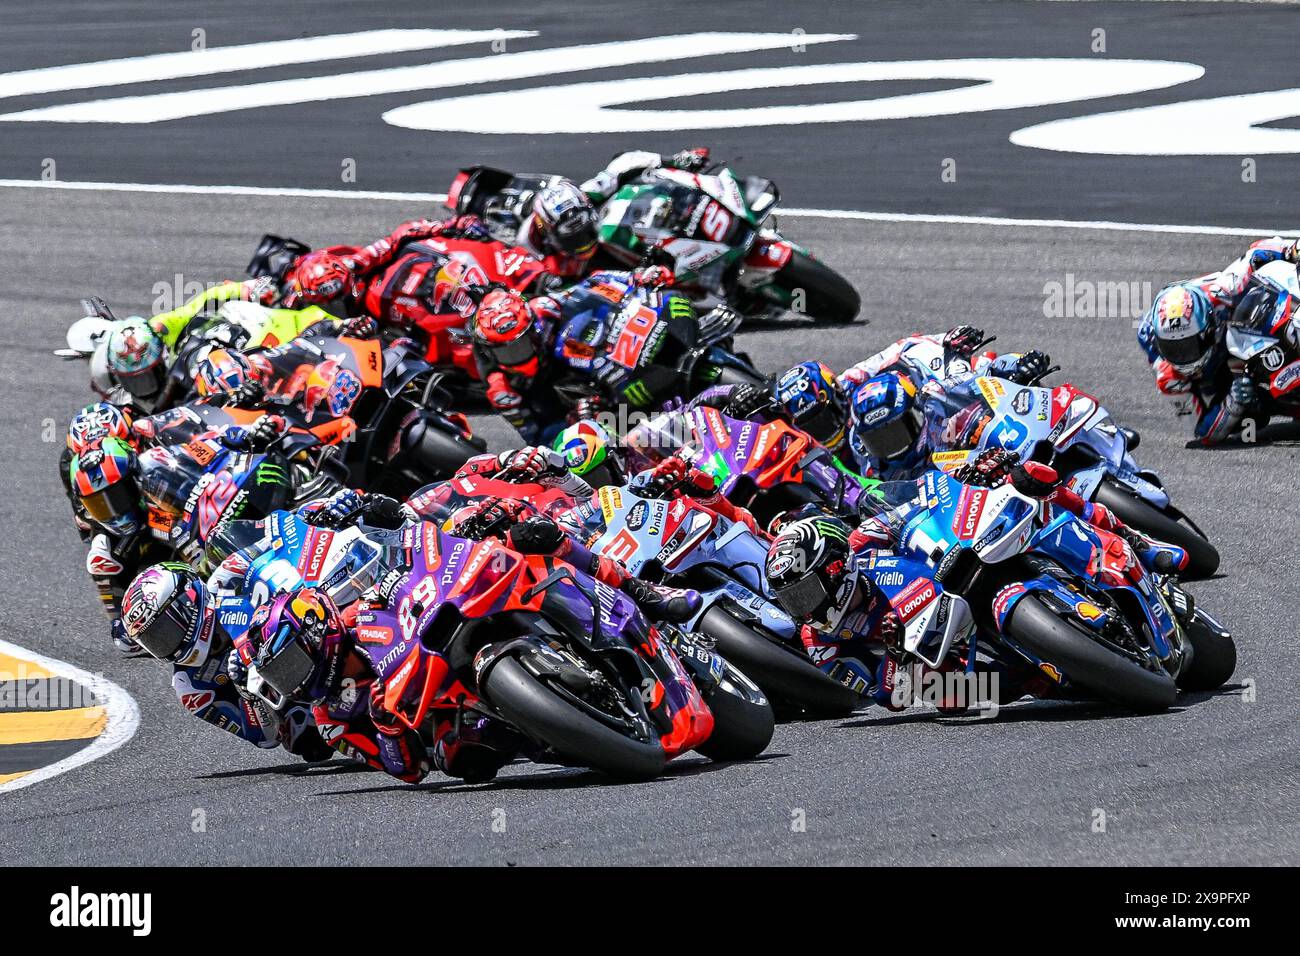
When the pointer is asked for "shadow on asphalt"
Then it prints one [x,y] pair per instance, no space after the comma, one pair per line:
[560,778]
[291,770]
[1042,711]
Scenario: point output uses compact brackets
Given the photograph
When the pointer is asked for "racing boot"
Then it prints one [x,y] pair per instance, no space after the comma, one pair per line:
[676,606]
[1156,556]
[474,746]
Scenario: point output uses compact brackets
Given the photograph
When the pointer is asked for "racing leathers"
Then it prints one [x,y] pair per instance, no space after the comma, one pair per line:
[1221,395]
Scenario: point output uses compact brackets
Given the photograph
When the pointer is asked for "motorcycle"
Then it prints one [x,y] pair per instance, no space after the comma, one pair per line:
[715,226]
[1066,427]
[569,662]
[435,296]
[694,547]
[373,414]
[1271,361]
[987,570]
[636,347]
[768,467]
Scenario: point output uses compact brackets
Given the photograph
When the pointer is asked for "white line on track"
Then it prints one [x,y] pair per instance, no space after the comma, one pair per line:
[123,717]
[374,195]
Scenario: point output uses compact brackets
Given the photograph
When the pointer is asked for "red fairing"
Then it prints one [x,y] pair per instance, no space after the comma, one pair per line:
[768,254]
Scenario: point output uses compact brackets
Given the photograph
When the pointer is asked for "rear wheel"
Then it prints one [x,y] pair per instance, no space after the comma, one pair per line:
[542,714]
[1086,662]
[783,673]
[1202,557]
[826,296]
[742,719]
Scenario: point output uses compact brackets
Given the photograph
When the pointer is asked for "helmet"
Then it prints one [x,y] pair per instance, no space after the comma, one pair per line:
[299,641]
[886,418]
[1259,309]
[221,372]
[564,220]
[809,570]
[815,400]
[135,358]
[102,477]
[320,277]
[1184,327]
[96,422]
[591,452]
[167,610]
[504,326]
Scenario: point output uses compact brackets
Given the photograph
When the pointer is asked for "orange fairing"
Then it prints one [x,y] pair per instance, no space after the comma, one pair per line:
[785,467]
[369,360]
[692,723]
[435,670]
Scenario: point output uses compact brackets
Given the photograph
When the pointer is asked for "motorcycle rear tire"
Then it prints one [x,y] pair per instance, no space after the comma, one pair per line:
[1202,557]
[545,716]
[784,674]
[1084,661]
[828,297]
[439,454]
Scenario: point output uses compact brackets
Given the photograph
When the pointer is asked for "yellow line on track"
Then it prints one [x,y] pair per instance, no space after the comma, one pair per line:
[6,777]
[15,668]
[32,726]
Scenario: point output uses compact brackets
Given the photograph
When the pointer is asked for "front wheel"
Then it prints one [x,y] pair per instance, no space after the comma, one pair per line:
[1086,662]
[807,287]
[743,722]
[1214,657]
[785,674]
[543,715]
[1202,557]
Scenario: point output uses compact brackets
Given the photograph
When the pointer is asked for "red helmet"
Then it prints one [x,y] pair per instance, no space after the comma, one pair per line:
[321,277]
[504,325]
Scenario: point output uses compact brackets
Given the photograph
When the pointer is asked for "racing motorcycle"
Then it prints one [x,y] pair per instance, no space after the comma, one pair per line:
[987,570]
[1271,360]
[768,467]
[715,226]
[1066,427]
[436,295]
[371,416]
[634,347]
[569,662]
[692,546]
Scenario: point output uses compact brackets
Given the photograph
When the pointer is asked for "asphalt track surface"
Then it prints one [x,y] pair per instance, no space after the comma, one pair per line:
[1212,781]
[892,165]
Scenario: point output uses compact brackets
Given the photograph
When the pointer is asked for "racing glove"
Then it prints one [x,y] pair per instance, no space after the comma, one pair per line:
[692,159]
[362,327]
[500,395]
[536,534]
[747,401]
[530,463]
[462,227]
[249,395]
[1241,395]
[964,339]
[990,468]
[1030,366]
[265,432]
[653,277]
[1034,479]
[262,290]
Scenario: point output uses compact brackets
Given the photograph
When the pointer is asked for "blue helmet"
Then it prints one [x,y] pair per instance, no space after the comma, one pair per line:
[887,419]
[1182,319]
[813,396]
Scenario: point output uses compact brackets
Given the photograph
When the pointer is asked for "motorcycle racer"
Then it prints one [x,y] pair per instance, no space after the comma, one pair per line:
[169,612]
[950,356]
[305,651]
[849,629]
[1182,335]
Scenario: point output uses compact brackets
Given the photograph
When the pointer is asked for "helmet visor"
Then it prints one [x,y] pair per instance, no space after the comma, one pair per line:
[824,422]
[519,352]
[170,629]
[802,599]
[576,232]
[116,501]
[891,440]
[145,383]
[1181,352]
[289,667]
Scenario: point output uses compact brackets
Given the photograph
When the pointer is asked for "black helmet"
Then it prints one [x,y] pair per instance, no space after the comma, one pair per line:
[809,570]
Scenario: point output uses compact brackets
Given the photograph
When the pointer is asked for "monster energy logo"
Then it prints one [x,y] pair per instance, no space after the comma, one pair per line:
[270,474]
[830,529]
[637,393]
[679,308]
